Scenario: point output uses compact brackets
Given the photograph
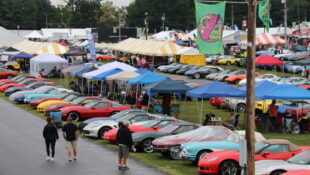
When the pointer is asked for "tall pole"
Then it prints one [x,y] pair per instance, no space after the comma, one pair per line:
[146,24]
[45,20]
[232,16]
[119,26]
[250,98]
[285,18]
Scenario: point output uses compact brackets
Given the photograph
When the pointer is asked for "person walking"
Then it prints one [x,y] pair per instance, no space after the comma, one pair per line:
[50,135]
[70,134]
[124,138]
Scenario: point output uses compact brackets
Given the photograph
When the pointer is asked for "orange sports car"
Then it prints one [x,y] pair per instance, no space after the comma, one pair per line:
[104,57]
[237,78]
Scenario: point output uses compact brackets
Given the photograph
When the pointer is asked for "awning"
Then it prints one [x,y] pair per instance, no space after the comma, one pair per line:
[53,48]
[30,47]
[167,86]
[123,76]
[103,75]
[267,60]
[71,68]
[267,39]
[22,55]
[74,72]
[147,78]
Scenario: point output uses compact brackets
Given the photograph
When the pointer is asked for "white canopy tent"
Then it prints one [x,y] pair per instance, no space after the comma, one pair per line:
[35,34]
[123,76]
[107,67]
[188,51]
[46,62]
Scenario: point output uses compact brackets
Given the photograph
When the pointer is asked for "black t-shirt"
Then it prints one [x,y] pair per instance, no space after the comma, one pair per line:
[70,129]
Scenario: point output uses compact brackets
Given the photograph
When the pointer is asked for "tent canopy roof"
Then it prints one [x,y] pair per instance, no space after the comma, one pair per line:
[90,69]
[123,76]
[147,78]
[103,75]
[215,89]
[74,72]
[22,55]
[48,58]
[141,71]
[7,38]
[53,48]
[267,60]
[267,39]
[167,86]
[75,51]
[35,34]
[286,92]
[261,88]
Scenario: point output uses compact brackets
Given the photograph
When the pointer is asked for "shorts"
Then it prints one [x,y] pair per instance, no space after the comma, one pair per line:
[71,145]
[123,151]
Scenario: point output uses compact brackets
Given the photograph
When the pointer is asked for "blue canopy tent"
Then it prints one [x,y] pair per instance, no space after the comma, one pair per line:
[214,89]
[167,86]
[287,92]
[74,72]
[104,75]
[261,88]
[22,55]
[142,71]
[147,78]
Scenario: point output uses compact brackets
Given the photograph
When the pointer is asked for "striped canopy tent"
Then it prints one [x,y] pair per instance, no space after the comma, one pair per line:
[123,76]
[104,45]
[30,47]
[168,49]
[66,71]
[53,48]
[267,39]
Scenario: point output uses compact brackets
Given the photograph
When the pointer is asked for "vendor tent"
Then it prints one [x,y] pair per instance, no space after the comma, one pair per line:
[215,89]
[104,75]
[7,38]
[22,55]
[142,71]
[30,47]
[167,86]
[66,71]
[147,78]
[167,49]
[53,48]
[74,51]
[35,34]
[123,76]
[46,62]
[74,72]
[107,67]
[80,74]
[287,92]
[261,88]
[267,60]
[305,61]
[267,39]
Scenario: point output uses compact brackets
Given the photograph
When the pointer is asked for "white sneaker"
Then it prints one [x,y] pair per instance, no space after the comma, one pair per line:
[52,159]
[48,158]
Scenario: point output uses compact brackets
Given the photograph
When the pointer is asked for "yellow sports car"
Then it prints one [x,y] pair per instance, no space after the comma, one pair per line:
[12,65]
[264,105]
[228,61]
[42,106]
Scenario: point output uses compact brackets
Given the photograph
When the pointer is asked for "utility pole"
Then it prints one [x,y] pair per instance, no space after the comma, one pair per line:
[163,19]
[250,93]
[146,24]
[45,20]
[285,18]
[119,26]
[232,15]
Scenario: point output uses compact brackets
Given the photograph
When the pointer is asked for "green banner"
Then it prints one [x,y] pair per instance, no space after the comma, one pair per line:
[210,25]
[140,32]
[264,13]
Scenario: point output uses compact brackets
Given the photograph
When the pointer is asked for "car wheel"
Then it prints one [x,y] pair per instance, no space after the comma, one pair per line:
[174,152]
[241,107]
[228,63]
[102,131]
[75,116]
[277,172]
[237,81]
[114,112]
[229,167]
[201,154]
[9,76]
[196,75]
[147,146]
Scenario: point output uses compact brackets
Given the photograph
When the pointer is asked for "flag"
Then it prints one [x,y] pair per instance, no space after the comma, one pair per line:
[264,13]
[210,25]
[92,49]
[271,21]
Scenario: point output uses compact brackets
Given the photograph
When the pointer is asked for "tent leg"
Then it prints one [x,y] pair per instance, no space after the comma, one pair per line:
[101,83]
[185,100]
[201,111]
[148,104]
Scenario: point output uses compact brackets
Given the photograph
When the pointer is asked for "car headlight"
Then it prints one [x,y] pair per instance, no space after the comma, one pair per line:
[212,159]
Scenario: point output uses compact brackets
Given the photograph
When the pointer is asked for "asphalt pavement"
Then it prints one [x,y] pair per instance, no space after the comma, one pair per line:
[186,78]
[22,150]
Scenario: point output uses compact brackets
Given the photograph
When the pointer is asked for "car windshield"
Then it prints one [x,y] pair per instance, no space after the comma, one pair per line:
[69,98]
[150,124]
[78,100]
[125,117]
[24,81]
[301,158]
[119,114]
[91,104]
[169,128]
[260,146]
[234,137]
[62,95]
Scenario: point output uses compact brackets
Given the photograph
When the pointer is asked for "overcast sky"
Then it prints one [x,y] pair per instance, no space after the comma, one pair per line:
[115,2]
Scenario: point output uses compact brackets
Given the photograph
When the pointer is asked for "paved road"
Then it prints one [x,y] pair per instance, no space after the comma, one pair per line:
[185,78]
[22,150]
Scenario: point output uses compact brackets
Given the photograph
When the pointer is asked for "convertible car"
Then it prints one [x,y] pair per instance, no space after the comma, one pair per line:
[98,128]
[92,109]
[299,162]
[7,74]
[152,125]
[144,139]
[171,145]
[112,117]
[76,102]
[41,107]
[228,161]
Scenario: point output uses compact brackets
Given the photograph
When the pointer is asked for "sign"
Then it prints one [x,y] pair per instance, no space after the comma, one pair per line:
[140,32]
[91,45]
[210,25]
[244,23]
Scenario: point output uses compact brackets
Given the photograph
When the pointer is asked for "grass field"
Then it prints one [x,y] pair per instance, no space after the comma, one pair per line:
[188,112]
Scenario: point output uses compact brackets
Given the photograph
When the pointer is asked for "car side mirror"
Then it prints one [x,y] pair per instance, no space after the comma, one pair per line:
[156,127]
[265,154]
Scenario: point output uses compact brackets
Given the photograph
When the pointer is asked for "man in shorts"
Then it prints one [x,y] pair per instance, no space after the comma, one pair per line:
[70,134]
[124,138]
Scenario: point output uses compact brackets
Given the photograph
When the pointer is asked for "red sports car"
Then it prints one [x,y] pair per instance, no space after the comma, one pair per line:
[305,87]
[4,73]
[92,109]
[227,162]
[34,103]
[152,125]
[23,83]
[217,102]
[76,102]
[297,172]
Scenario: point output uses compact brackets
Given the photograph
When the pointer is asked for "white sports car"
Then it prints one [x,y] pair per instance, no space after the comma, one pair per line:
[277,167]
[259,78]
[98,128]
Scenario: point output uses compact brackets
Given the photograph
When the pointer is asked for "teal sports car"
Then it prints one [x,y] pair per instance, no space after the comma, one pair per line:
[53,93]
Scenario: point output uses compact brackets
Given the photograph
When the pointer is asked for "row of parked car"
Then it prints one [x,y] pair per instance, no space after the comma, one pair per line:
[213,148]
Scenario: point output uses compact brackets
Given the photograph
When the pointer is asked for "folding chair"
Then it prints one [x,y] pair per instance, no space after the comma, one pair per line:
[158,109]
[290,126]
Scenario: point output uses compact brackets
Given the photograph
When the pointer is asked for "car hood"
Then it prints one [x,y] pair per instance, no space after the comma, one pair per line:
[193,71]
[100,123]
[18,94]
[69,108]
[263,166]
[145,134]
[139,128]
